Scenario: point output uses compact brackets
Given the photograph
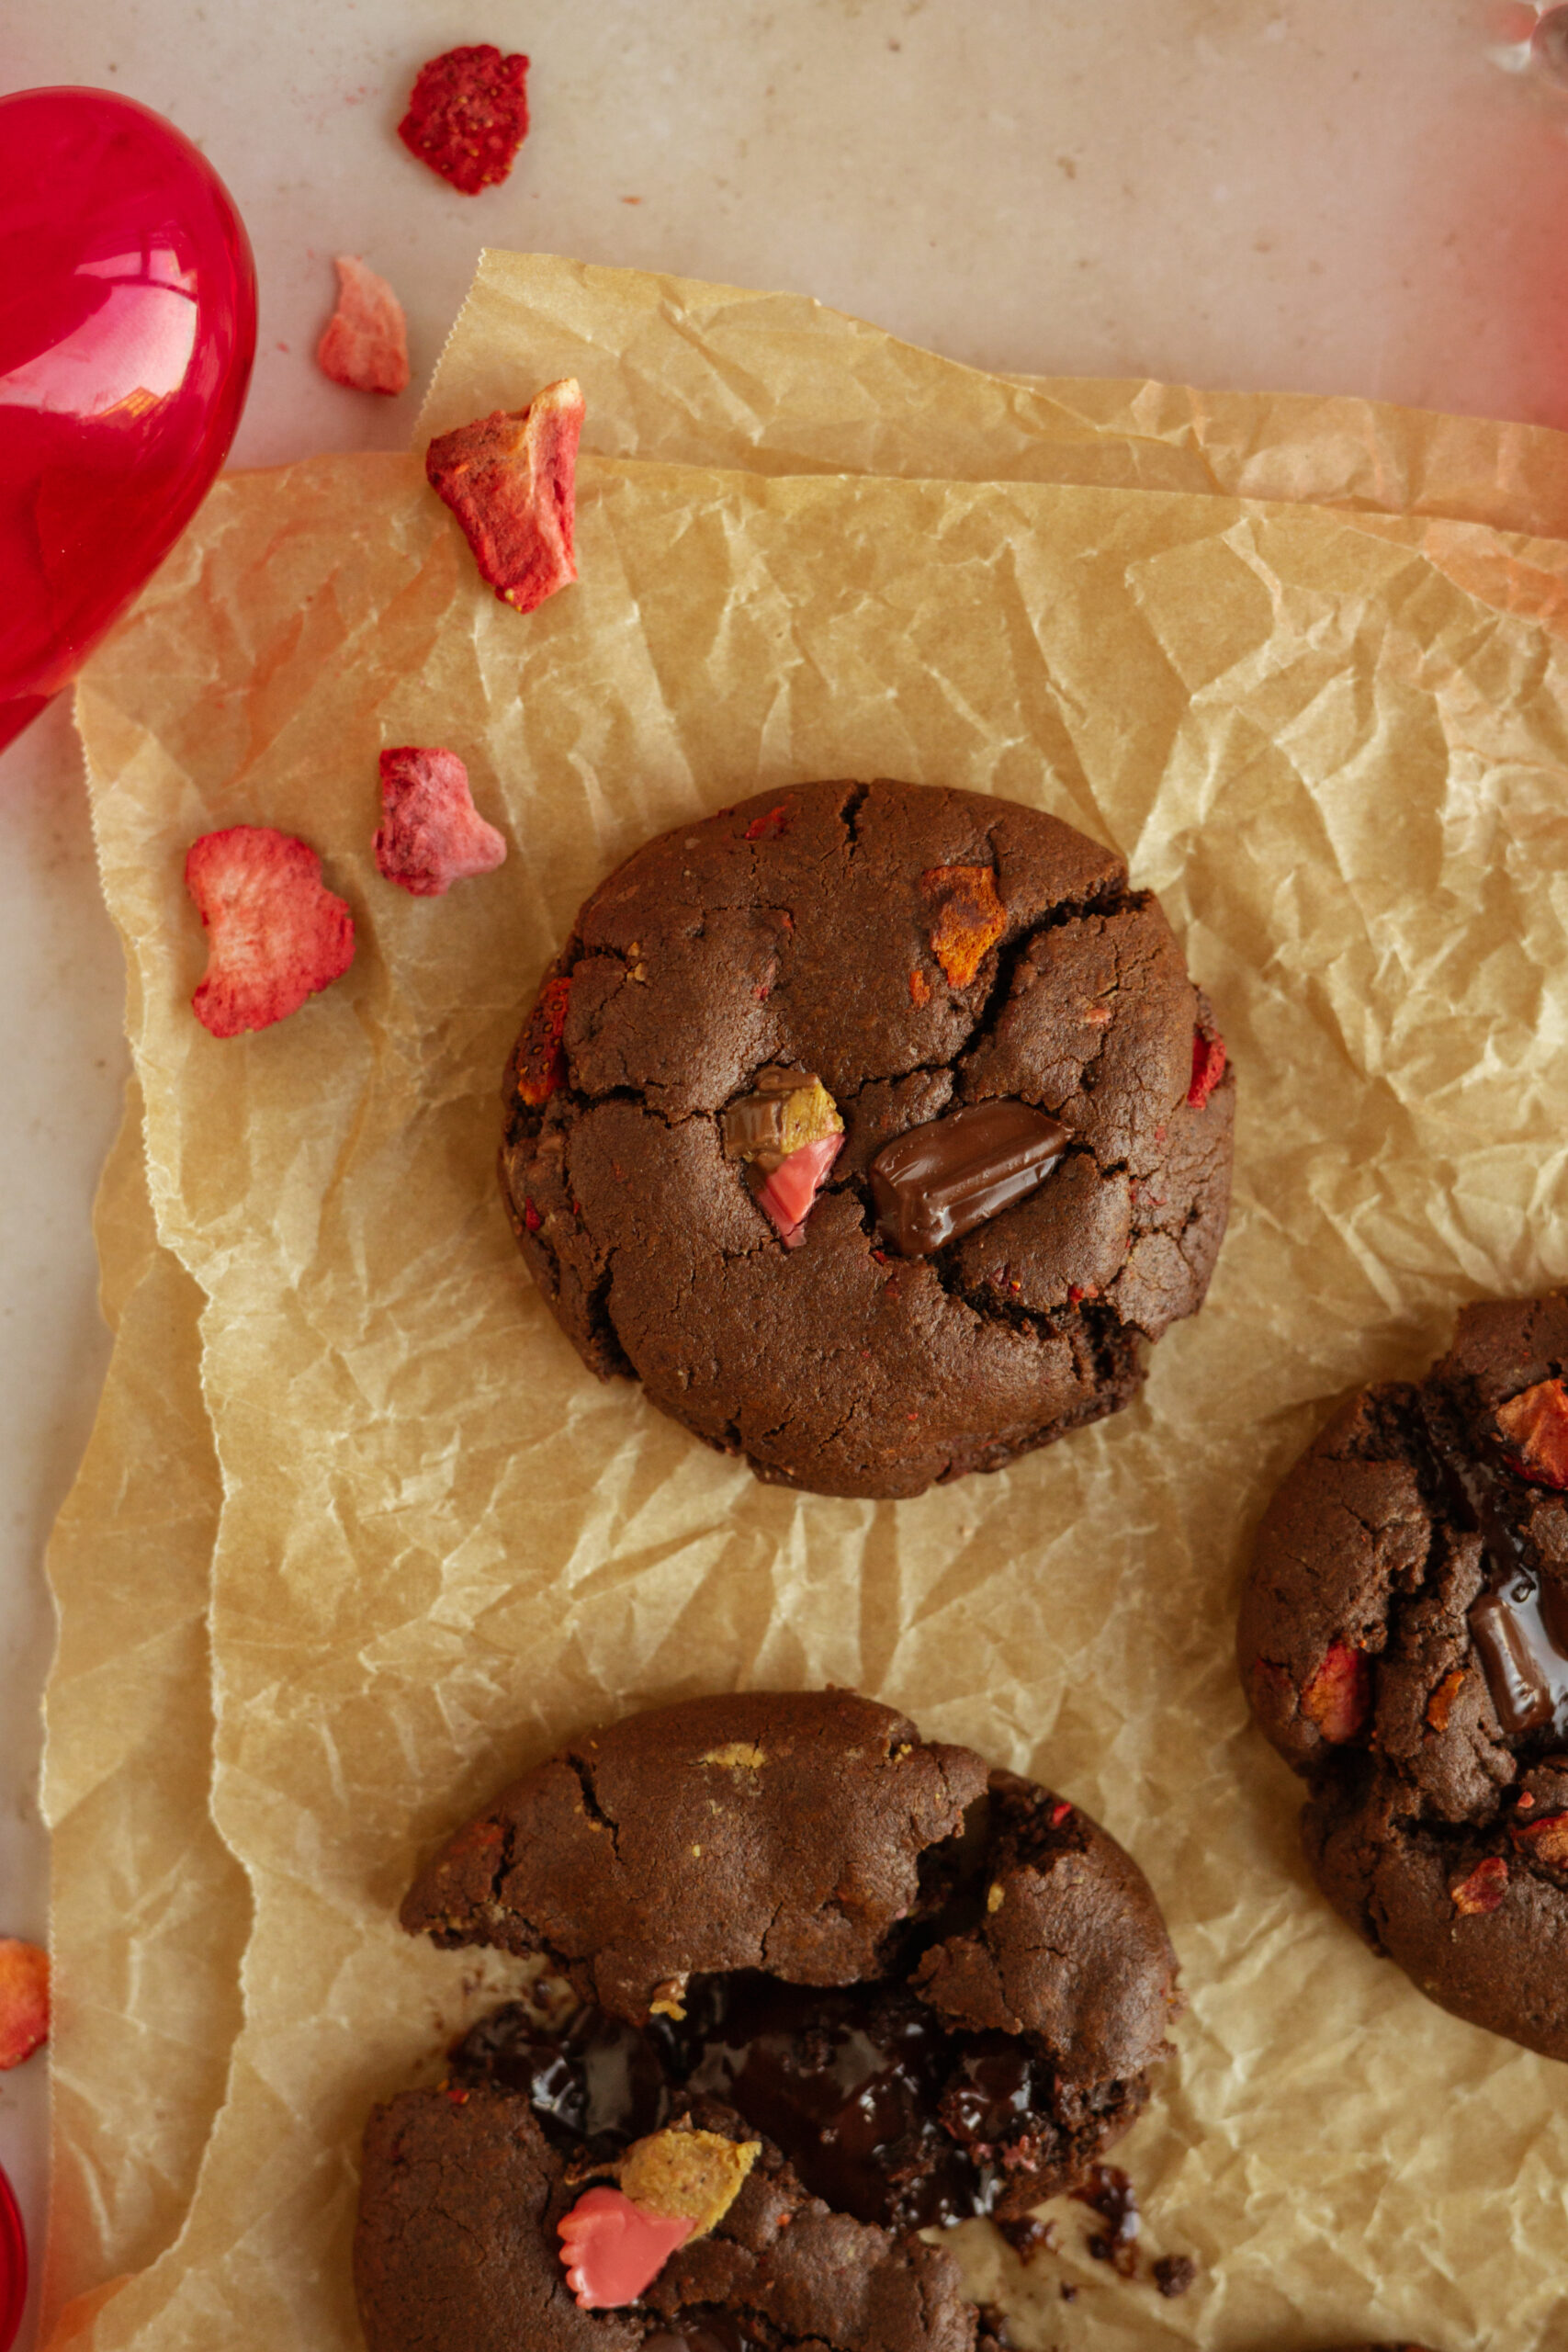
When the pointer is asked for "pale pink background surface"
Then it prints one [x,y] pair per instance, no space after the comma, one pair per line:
[1295,194]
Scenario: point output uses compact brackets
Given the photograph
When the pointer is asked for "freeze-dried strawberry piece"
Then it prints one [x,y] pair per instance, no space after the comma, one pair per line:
[1535,1424]
[365,344]
[1440,1706]
[1484,1889]
[1339,1696]
[787,1195]
[541,1057]
[970,918]
[1545,1841]
[511,479]
[431,835]
[278,935]
[24,2000]
[1207,1069]
[468,115]
[769,828]
[613,2249]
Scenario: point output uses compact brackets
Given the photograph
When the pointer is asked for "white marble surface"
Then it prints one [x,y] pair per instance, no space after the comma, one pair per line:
[1304,194]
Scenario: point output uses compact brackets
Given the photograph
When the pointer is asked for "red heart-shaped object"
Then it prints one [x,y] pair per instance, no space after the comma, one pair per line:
[13,2265]
[127,325]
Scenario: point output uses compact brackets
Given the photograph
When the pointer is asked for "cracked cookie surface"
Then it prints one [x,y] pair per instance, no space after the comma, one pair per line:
[1404,1640]
[934,1990]
[918,951]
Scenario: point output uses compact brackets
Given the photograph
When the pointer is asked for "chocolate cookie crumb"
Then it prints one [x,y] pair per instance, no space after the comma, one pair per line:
[1174,2273]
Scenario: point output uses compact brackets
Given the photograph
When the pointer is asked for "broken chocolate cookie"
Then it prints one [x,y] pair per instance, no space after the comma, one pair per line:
[1403,1639]
[908,1989]
[876,1129]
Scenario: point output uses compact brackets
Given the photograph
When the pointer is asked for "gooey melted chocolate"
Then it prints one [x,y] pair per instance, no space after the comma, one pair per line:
[1520,1624]
[883,2113]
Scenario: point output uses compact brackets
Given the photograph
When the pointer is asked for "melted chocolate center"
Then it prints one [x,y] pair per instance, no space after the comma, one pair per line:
[883,2113]
[1520,1624]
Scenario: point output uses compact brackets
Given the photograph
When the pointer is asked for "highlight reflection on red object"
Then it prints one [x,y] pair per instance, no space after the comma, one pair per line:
[127,325]
[13,2265]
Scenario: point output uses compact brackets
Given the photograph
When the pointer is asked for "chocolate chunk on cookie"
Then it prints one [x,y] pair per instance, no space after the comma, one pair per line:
[1403,1639]
[876,1128]
[925,1990]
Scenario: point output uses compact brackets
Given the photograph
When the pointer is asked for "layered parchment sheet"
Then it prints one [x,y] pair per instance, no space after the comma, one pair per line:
[1332,741]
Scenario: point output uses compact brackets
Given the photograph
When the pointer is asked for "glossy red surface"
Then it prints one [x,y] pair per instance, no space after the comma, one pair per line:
[13,2265]
[128,324]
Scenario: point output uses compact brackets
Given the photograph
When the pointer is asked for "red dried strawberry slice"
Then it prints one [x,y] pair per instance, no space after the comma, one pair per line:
[511,479]
[468,115]
[278,933]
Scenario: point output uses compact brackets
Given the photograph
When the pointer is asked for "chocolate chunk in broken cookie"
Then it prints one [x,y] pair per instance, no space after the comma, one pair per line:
[755,1008]
[1404,1638]
[939,1990]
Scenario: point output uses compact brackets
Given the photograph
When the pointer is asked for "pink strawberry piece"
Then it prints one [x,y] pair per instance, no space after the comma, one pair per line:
[365,344]
[1484,1888]
[24,2000]
[278,933]
[613,2249]
[794,1184]
[1338,1698]
[1546,1840]
[431,835]
[1535,1424]
[511,479]
[1207,1069]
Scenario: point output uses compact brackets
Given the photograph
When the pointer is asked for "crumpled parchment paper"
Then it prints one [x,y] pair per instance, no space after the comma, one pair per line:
[1332,744]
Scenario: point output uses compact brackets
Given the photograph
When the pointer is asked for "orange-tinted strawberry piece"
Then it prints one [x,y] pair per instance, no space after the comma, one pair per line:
[541,1057]
[276,934]
[431,835]
[24,2000]
[366,343]
[511,479]
[1338,1698]
[1535,1426]
[970,918]
[1440,1706]
[1545,1841]
[1484,1889]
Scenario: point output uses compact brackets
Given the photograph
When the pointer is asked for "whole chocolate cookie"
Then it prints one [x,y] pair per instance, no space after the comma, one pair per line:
[1404,1640]
[923,1989]
[875,1128]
